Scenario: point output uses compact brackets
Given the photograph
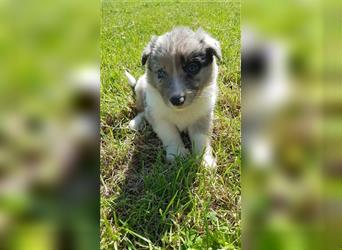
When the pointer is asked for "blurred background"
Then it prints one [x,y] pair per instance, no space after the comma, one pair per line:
[49,141]
[292,124]
[292,127]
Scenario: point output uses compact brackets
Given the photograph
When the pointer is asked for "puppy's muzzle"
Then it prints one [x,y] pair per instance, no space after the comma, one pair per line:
[177,100]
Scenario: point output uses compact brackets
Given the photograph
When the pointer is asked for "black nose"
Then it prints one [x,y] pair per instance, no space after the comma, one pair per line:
[177,100]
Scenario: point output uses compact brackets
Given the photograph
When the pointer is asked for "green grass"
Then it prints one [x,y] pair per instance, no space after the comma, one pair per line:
[145,203]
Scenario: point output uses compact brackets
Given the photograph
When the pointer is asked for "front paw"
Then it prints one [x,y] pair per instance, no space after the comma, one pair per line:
[136,124]
[209,161]
[173,152]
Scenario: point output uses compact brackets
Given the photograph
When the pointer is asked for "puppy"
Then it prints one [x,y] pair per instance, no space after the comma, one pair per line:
[178,90]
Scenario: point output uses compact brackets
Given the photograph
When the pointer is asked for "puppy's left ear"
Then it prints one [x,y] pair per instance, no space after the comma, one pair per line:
[213,46]
[148,50]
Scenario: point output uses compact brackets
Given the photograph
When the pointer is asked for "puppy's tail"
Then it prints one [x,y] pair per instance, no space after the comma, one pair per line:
[132,81]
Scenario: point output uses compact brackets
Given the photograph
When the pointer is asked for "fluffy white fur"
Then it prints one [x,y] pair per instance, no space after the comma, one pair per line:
[168,122]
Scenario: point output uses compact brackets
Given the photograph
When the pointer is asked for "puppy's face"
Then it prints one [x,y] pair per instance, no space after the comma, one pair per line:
[180,64]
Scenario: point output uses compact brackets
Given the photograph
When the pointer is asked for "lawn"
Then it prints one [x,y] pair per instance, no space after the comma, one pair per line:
[145,203]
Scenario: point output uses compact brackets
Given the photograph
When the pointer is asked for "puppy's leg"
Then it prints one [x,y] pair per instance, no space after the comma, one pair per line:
[171,139]
[200,133]
[137,122]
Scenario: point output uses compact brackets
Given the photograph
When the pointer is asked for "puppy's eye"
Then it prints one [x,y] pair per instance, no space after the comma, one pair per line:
[161,74]
[193,68]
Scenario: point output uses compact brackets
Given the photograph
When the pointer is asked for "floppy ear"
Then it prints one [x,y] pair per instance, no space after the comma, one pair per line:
[148,49]
[213,46]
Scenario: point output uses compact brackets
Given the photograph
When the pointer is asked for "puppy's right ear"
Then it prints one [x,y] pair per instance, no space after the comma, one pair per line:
[148,49]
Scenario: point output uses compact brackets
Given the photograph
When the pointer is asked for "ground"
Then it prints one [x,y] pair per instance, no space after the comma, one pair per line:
[145,203]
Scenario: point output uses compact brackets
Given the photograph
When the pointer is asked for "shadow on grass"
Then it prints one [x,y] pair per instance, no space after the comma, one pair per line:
[153,193]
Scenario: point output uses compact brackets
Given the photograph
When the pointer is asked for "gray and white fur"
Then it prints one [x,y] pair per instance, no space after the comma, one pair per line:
[178,90]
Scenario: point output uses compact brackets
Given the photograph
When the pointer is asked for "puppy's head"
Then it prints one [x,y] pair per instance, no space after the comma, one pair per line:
[180,64]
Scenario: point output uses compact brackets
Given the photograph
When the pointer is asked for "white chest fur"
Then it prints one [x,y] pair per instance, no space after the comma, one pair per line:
[183,118]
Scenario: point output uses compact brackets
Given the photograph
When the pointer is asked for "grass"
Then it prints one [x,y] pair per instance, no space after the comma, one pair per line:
[145,203]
